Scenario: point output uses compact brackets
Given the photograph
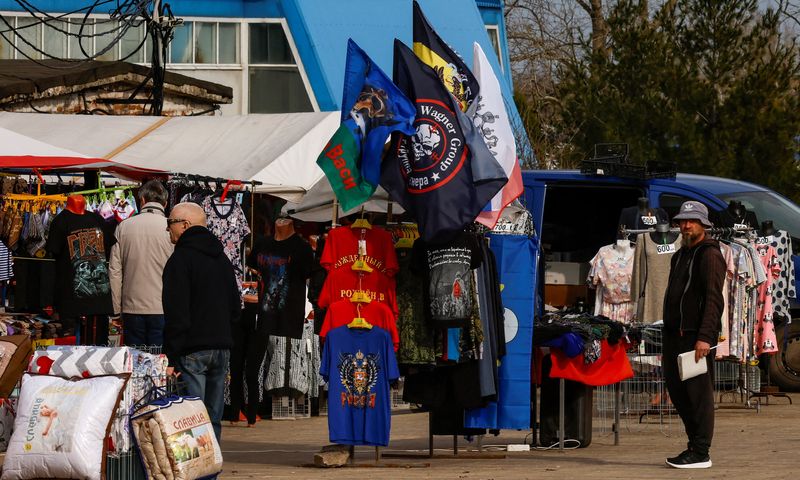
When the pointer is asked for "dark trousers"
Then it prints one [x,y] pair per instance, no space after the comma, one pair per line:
[693,398]
[143,329]
[90,329]
[250,338]
[203,375]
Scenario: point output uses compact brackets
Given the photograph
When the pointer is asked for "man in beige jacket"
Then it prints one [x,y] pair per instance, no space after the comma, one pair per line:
[137,263]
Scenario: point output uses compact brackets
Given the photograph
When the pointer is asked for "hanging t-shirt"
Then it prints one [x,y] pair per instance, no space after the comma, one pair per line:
[227,221]
[284,267]
[345,245]
[611,271]
[448,269]
[375,313]
[650,276]
[6,263]
[784,287]
[80,246]
[342,283]
[358,365]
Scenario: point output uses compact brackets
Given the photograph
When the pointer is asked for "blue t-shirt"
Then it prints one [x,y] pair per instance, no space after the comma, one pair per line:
[358,365]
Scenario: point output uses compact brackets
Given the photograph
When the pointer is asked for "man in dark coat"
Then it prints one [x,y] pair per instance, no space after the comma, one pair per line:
[692,321]
[201,300]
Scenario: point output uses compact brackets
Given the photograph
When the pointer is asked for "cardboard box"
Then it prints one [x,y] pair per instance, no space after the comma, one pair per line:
[565,295]
[565,273]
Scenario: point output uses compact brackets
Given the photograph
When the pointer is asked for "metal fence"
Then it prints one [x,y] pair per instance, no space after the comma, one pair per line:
[645,402]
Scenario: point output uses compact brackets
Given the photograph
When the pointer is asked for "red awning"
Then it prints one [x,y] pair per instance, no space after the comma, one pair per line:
[21,153]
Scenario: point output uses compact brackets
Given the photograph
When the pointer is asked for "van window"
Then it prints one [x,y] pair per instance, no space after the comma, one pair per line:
[671,203]
[784,214]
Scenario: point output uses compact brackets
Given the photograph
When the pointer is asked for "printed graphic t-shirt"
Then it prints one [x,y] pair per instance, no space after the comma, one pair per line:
[377,248]
[342,283]
[80,245]
[284,267]
[358,366]
[448,268]
[375,313]
[228,223]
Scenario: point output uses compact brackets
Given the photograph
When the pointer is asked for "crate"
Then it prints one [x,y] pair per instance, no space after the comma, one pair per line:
[291,408]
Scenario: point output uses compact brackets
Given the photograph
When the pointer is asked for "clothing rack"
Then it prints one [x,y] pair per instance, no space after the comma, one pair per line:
[722,231]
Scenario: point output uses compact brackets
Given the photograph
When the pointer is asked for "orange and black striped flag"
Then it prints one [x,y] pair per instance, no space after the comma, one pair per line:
[448,65]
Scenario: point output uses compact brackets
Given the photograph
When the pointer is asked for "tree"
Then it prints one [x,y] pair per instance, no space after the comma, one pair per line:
[711,85]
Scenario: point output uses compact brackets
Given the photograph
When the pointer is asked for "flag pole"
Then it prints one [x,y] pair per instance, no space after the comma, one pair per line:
[334,221]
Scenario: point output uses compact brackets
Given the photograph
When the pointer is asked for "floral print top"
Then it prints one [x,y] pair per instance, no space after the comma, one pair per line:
[611,271]
[228,223]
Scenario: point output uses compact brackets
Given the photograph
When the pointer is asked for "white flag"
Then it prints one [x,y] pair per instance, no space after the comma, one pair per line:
[492,120]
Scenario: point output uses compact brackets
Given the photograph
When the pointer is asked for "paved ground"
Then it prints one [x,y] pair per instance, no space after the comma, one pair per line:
[747,444]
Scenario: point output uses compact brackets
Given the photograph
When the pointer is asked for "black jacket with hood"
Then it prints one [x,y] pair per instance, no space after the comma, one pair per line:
[693,303]
[200,296]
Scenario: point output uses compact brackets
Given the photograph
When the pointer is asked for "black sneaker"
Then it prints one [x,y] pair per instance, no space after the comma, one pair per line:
[679,457]
[690,459]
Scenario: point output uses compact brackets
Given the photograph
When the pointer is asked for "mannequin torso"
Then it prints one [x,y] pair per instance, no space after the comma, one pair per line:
[284,228]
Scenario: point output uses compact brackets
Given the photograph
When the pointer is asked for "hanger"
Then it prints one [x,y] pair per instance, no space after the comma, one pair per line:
[359,321]
[361,222]
[360,296]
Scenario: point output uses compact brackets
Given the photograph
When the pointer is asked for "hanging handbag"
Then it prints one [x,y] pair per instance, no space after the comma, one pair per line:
[249,288]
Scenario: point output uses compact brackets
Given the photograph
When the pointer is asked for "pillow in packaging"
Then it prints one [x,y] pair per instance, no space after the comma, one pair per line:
[176,440]
[61,427]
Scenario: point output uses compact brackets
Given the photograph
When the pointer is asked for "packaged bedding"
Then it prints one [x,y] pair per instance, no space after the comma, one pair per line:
[60,427]
[176,440]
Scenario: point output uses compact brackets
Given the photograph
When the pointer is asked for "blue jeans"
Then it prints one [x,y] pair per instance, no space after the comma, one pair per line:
[143,329]
[203,374]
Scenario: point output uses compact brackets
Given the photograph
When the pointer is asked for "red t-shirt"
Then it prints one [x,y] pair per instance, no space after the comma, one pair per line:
[341,249]
[343,282]
[377,314]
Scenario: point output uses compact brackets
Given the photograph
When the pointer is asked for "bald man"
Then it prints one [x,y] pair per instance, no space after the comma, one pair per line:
[201,300]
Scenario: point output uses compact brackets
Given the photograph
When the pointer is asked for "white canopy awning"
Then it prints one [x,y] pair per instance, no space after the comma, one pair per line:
[279,150]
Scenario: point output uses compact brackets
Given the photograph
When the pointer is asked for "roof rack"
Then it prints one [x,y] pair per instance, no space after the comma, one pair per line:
[612,159]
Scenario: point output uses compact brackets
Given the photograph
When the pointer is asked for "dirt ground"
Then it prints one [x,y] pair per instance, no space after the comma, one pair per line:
[748,443]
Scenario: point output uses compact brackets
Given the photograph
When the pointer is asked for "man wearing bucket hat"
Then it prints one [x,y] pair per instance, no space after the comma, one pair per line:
[693,307]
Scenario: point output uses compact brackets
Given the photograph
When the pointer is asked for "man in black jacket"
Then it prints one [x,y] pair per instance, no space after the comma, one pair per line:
[692,312]
[201,300]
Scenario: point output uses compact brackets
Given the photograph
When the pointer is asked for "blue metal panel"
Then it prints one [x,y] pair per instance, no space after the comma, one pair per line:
[374,25]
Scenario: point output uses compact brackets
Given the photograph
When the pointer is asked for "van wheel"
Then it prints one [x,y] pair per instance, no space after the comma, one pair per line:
[784,366]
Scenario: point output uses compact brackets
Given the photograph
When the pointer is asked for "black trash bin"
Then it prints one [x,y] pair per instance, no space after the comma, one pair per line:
[577,410]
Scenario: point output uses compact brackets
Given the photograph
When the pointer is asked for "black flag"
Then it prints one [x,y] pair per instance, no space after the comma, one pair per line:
[448,65]
[443,175]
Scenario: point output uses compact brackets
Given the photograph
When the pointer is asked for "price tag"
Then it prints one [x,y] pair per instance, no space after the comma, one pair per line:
[308,345]
[740,226]
[765,240]
[649,220]
[362,247]
[666,249]
[239,198]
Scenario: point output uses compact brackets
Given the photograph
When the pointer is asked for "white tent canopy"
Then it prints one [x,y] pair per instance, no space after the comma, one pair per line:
[317,204]
[279,150]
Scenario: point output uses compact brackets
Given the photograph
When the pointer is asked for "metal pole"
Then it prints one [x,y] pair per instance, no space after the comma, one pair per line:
[561,393]
[617,393]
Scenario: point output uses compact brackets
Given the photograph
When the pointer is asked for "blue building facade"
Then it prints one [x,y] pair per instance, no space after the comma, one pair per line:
[278,55]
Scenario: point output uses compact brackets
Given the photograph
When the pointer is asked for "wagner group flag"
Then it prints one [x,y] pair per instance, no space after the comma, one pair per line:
[451,69]
[492,122]
[372,108]
[443,175]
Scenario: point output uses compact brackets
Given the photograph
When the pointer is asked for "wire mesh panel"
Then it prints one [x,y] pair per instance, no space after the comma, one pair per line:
[125,464]
[643,399]
[397,396]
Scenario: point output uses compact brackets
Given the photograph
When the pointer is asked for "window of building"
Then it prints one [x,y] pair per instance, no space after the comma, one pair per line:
[181,46]
[276,85]
[106,46]
[54,40]
[205,43]
[494,37]
[132,41]
[29,38]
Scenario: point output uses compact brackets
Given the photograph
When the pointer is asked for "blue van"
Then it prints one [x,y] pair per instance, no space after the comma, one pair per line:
[576,213]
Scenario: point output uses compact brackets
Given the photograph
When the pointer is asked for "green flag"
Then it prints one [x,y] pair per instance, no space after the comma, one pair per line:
[339,161]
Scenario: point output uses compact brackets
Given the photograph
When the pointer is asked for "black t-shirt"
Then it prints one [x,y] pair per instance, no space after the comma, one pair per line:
[448,269]
[284,267]
[80,244]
